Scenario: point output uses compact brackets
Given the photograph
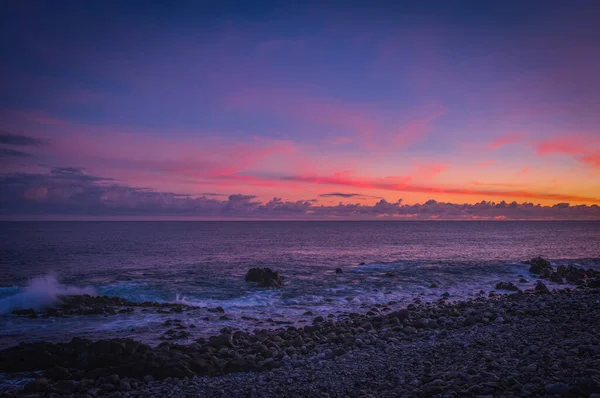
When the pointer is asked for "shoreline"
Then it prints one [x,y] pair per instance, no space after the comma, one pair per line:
[235,357]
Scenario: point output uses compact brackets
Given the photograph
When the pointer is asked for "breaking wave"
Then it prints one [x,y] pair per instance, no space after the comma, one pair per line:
[42,291]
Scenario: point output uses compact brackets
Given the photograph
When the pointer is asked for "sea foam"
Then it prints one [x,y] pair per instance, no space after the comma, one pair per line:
[42,291]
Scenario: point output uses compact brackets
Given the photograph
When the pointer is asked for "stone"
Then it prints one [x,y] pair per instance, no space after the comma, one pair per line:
[538,264]
[38,385]
[541,288]
[339,271]
[556,278]
[265,277]
[57,373]
[557,388]
[507,286]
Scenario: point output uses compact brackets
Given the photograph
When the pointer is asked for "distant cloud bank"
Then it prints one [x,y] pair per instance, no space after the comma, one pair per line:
[70,191]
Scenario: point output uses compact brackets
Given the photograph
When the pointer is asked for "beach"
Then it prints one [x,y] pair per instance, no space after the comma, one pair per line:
[531,343]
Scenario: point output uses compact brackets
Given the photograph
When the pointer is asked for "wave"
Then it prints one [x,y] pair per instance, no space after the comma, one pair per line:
[41,292]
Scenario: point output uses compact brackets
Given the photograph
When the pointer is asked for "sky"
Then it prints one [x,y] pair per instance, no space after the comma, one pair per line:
[300,110]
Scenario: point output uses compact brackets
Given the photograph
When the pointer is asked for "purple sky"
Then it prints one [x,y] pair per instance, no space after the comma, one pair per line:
[444,110]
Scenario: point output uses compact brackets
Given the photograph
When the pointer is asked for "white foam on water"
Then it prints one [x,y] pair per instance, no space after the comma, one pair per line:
[41,292]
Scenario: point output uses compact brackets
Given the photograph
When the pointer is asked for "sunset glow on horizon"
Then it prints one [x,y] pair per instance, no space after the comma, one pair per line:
[422,112]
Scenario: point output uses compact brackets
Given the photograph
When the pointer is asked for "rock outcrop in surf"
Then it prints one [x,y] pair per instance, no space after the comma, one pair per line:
[265,277]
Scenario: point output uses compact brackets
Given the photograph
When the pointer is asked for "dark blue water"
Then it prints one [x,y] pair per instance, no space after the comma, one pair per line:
[203,263]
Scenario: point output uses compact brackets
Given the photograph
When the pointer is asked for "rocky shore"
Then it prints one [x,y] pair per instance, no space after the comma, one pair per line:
[531,343]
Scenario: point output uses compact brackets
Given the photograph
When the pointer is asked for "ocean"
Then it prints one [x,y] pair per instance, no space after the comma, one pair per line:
[203,264]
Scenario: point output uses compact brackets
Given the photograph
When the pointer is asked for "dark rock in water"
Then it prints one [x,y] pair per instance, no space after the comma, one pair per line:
[545,273]
[173,334]
[362,264]
[538,264]
[265,277]
[433,286]
[57,373]
[541,288]
[523,280]
[29,312]
[556,278]
[389,275]
[507,286]
[339,271]
[593,283]
[217,309]
[36,386]
[318,319]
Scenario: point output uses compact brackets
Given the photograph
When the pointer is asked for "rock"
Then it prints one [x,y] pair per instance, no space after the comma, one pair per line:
[401,314]
[339,271]
[557,388]
[523,280]
[318,319]
[556,278]
[531,368]
[29,312]
[172,334]
[361,264]
[265,277]
[57,373]
[433,286]
[389,275]
[593,283]
[541,288]
[507,286]
[38,385]
[217,309]
[538,264]
[64,387]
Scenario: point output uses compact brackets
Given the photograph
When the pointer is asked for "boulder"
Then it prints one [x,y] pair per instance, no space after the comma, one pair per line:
[265,277]
[538,264]
[593,283]
[541,288]
[555,277]
[339,271]
[507,286]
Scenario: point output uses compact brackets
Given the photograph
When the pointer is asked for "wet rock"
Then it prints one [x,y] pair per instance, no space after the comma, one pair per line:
[265,277]
[217,309]
[541,288]
[557,388]
[593,283]
[507,286]
[538,264]
[339,271]
[433,286]
[38,385]
[389,275]
[556,278]
[29,312]
[57,373]
[173,334]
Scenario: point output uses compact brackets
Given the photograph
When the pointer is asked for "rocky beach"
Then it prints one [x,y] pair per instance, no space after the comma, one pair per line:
[531,341]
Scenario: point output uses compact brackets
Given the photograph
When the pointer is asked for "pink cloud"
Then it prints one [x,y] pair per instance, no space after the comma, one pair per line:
[583,147]
[506,140]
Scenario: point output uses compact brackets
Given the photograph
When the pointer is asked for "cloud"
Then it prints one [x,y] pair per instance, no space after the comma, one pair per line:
[348,195]
[19,140]
[398,185]
[509,139]
[73,192]
[584,149]
[12,153]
